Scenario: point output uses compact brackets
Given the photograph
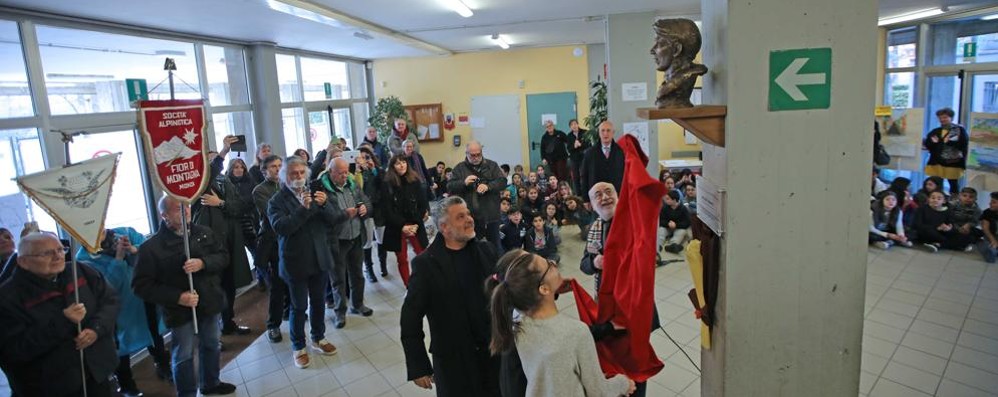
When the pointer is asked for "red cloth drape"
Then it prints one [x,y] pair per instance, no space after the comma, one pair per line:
[627,291]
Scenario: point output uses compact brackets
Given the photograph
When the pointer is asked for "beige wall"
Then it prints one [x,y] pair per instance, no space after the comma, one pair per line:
[454,80]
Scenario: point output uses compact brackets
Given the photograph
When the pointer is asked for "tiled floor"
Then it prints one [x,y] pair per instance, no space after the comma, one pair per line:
[931,329]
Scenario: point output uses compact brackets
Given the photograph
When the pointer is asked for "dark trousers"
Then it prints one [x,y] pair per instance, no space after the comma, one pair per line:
[954,187]
[348,268]
[451,379]
[560,169]
[278,300]
[307,293]
[94,388]
[229,285]
[951,240]
[158,348]
[489,231]
[576,183]
[124,373]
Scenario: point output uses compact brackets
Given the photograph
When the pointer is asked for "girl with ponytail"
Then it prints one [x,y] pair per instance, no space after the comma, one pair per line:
[557,352]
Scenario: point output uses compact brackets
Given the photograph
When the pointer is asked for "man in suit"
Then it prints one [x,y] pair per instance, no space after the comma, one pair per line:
[602,163]
[301,219]
[446,288]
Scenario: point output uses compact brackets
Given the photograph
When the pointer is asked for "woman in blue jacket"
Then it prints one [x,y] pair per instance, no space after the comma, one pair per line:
[116,261]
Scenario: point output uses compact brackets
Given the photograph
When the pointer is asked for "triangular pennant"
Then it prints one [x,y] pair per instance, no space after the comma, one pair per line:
[76,196]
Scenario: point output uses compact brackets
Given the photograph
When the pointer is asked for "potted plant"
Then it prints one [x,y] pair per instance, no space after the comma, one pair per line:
[383,117]
[597,108]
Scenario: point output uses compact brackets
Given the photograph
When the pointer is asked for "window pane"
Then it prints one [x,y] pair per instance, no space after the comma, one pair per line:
[85,71]
[233,123]
[985,93]
[900,90]
[15,96]
[294,129]
[287,78]
[318,129]
[226,69]
[20,154]
[342,124]
[360,115]
[316,73]
[358,80]
[901,49]
[986,46]
[128,195]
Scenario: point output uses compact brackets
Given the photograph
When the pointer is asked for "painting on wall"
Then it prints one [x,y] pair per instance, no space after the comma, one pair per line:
[901,132]
[983,151]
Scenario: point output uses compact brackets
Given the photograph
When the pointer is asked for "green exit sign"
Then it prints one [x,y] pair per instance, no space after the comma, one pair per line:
[969,51]
[328,88]
[137,90]
[800,79]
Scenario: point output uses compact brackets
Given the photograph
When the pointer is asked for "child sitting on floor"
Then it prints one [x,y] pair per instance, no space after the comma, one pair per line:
[513,231]
[989,226]
[576,213]
[504,206]
[541,240]
[673,223]
[935,226]
[552,218]
[887,222]
[966,213]
[690,198]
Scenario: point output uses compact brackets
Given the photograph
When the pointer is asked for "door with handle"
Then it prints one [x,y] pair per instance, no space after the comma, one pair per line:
[560,106]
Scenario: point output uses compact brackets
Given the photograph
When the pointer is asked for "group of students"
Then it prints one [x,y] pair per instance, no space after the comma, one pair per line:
[932,219]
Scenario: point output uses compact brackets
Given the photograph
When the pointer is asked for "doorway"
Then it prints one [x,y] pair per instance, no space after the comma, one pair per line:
[497,127]
[560,106]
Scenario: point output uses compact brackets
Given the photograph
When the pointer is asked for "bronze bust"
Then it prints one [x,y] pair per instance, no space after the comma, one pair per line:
[677,42]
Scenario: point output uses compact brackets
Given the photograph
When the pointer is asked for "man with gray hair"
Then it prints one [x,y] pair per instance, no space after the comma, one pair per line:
[478,181]
[446,288]
[301,217]
[346,241]
[39,343]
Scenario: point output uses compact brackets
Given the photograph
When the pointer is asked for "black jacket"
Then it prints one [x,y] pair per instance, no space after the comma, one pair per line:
[159,275]
[37,351]
[550,243]
[575,153]
[680,215]
[597,168]
[434,293]
[301,234]
[403,205]
[513,235]
[226,222]
[484,207]
[553,146]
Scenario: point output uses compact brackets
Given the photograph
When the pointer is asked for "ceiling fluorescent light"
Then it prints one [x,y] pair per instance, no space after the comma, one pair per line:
[500,41]
[989,17]
[287,8]
[926,13]
[459,7]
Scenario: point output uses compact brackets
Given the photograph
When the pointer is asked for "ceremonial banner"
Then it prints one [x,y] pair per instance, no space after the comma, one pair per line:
[76,196]
[173,138]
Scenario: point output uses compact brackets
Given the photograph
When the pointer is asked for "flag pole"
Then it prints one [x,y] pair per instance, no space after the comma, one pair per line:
[66,139]
[170,66]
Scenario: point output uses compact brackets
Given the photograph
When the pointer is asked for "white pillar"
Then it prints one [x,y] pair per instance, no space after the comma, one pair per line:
[793,258]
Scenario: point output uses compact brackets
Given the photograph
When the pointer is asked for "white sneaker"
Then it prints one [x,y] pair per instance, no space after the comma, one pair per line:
[970,248]
[301,358]
[882,245]
[931,247]
[907,244]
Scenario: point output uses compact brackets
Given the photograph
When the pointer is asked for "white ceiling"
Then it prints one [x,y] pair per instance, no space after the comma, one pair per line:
[522,22]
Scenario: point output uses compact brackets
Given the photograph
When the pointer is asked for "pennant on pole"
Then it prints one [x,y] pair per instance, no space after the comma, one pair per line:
[173,138]
[76,195]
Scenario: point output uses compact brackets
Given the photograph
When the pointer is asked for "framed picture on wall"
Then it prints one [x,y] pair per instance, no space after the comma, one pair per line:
[428,121]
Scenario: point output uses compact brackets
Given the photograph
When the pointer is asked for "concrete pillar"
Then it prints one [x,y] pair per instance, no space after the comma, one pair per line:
[629,38]
[793,257]
[265,96]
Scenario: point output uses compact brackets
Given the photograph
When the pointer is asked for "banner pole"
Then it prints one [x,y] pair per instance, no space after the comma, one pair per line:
[66,139]
[184,208]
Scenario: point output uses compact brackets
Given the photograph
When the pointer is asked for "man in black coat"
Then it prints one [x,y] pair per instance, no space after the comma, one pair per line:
[554,151]
[39,345]
[577,141]
[161,278]
[447,288]
[266,249]
[301,218]
[603,162]
[478,181]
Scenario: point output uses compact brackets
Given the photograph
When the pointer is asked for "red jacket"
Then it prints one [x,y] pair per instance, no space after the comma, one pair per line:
[627,291]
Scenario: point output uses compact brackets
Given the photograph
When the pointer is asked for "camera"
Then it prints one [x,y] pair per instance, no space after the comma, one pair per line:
[315,186]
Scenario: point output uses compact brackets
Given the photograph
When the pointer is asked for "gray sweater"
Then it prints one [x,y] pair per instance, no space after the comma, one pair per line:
[559,359]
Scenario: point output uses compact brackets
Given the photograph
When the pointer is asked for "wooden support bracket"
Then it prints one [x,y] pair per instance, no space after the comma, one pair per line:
[704,121]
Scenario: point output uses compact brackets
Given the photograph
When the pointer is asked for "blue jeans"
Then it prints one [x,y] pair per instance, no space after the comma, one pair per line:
[307,293]
[990,254]
[208,335]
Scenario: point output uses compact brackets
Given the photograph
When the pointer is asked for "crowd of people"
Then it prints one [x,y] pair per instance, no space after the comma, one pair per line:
[311,226]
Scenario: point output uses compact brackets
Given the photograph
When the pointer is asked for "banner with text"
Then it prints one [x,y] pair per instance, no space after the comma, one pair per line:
[173,138]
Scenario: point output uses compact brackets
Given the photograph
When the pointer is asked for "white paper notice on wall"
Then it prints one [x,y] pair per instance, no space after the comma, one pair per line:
[478,122]
[710,204]
[632,92]
[640,131]
[552,117]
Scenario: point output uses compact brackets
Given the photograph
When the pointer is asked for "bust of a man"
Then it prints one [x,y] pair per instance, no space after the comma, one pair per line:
[677,42]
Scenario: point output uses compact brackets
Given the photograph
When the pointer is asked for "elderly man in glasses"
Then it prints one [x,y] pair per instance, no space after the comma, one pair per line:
[39,341]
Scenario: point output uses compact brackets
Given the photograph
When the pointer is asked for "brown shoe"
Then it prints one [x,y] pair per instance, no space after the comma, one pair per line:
[301,358]
[324,347]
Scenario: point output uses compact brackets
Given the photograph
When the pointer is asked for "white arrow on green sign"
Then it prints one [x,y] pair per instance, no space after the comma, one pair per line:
[800,79]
